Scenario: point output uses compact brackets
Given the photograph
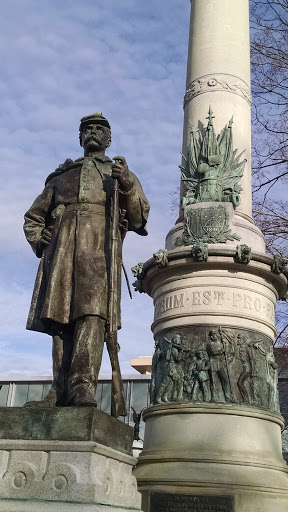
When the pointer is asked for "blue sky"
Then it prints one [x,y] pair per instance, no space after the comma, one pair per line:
[59,62]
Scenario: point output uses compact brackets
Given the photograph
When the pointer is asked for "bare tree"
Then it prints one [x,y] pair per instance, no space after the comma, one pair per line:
[269,66]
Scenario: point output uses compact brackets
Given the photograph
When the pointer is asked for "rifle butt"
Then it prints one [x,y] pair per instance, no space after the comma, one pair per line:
[118,403]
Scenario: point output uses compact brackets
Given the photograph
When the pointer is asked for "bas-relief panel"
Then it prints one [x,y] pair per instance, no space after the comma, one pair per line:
[214,364]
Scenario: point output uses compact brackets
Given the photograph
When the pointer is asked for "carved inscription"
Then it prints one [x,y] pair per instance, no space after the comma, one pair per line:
[233,300]
[171,302]
[162,502]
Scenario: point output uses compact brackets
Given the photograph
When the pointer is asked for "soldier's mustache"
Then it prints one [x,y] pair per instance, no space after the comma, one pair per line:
[93,137]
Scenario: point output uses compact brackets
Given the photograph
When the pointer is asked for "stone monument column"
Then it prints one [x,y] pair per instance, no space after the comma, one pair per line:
[218,74]
[213,431]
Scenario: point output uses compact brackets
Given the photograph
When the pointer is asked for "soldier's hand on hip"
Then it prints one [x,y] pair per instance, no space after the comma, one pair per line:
[120,172]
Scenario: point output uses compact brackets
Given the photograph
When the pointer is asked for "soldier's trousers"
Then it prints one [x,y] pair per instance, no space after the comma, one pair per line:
[77,354]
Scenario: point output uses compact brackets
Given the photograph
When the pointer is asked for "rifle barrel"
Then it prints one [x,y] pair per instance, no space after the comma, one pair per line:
[118,406]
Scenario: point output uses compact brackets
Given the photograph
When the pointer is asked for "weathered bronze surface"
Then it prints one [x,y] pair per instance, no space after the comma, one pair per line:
[243,254]
[137,420]
[208,364]
[139,273]
[165,502]
[161,258]
[69,226]
[65,424]
[206,226]
[212,168]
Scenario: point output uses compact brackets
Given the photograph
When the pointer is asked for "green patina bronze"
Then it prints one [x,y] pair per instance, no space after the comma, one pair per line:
[208,364]
[77,226]
[206,226]
[213,169]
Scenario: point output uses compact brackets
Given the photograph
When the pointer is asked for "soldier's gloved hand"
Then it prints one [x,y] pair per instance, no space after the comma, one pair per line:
[120,172]
[45,238]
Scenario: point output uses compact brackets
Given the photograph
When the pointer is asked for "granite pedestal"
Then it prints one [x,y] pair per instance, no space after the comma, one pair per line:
[65,459]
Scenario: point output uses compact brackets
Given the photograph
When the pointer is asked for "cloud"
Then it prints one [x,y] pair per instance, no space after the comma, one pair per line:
[60,61]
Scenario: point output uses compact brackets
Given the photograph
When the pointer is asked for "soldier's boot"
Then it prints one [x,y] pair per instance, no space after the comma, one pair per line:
[57,395]
[86,359]
[49,401]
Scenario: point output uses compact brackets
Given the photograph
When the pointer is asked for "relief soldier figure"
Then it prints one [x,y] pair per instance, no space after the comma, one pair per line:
[271,376]
[157,370]
[171,388]
[245,355]
[69,228]
[202,379]
[189,379]
[220,358]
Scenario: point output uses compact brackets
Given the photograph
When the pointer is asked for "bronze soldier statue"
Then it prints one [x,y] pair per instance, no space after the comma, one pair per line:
[69,226]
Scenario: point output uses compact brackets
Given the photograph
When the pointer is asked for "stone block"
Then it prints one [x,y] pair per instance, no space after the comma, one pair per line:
[73,472]
[76,459]
[65,424]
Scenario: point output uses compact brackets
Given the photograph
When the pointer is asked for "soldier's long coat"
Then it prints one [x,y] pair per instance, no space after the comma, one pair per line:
[73,274]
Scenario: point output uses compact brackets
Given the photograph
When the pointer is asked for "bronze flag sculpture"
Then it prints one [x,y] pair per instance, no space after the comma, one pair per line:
[77,226]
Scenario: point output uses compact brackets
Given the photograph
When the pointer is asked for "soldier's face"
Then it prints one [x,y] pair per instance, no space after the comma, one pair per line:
[213,335]
[95,137]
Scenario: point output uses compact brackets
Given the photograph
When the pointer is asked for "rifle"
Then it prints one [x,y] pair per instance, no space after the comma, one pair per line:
[118,405]
[175,345]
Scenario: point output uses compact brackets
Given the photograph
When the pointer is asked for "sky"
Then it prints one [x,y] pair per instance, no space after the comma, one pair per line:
[59,62]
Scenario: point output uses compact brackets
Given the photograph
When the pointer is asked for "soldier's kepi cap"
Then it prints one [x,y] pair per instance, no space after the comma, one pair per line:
[96,118]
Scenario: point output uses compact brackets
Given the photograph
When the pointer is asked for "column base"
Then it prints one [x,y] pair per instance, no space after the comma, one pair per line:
[212,457]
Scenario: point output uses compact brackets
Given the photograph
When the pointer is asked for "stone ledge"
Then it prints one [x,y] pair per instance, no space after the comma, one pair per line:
[212,408]
[66,447]
[65,424]
[57,506]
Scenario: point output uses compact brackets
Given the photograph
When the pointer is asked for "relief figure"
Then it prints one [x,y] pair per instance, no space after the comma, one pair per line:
[202,384]
[271,376]
[190,374]
[220,356]
[245,355]
[157,371]
[171,389]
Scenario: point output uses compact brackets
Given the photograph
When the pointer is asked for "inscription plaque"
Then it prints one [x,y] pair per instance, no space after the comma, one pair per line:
[166,502]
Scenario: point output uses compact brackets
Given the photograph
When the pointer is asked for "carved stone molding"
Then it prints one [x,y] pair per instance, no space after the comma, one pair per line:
[218,82]
[69,473]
